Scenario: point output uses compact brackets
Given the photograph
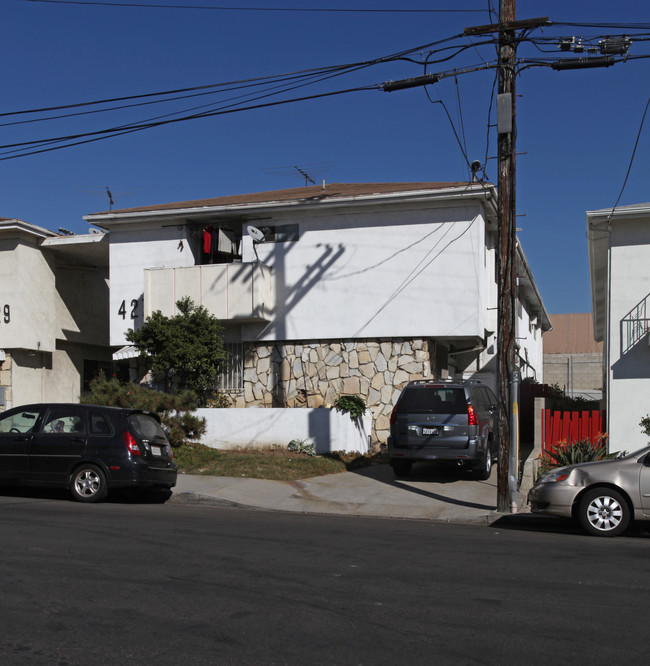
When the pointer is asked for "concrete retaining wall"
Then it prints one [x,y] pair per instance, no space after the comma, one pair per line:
[327,429]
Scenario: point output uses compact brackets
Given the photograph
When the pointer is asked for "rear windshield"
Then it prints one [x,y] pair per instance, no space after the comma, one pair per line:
[145,426]
[428,399]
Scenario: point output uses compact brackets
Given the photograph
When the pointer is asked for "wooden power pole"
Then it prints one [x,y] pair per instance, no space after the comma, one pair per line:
[506,263]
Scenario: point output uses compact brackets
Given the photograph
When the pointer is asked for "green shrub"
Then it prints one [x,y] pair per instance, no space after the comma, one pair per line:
[353,405]
[174,410]
[576,452]
[645,425]
[301,446]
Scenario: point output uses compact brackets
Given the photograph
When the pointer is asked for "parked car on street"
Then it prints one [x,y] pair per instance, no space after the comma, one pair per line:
[88,449]
[444,420]
[604,496]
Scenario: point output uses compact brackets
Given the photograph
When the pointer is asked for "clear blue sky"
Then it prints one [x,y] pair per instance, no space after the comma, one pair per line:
[576,129]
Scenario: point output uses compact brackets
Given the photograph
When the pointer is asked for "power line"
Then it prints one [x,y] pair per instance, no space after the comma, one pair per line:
[346,10]
[345,68]
[88,137]
[629,168]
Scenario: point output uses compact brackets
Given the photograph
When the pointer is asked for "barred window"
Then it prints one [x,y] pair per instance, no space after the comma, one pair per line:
[232,378]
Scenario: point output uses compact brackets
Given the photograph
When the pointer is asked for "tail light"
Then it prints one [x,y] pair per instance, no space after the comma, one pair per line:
[471,415]
[131,444]
[393,416]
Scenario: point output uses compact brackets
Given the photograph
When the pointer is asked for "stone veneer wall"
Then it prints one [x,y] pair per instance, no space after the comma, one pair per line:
[316,373]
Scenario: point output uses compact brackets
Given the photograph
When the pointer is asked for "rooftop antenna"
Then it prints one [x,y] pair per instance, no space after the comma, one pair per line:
[110,199]
[307,171]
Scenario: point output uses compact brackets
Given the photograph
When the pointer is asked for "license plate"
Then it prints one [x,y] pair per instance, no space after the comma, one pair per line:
[429,431]
[156,451]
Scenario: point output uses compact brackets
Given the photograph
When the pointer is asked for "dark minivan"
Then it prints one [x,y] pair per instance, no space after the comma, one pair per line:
[87,449]
[444,420]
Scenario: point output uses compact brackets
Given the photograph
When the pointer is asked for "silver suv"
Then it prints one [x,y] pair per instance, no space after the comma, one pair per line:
[444,420]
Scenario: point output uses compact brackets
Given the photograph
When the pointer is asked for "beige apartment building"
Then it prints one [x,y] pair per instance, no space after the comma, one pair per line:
[53,313]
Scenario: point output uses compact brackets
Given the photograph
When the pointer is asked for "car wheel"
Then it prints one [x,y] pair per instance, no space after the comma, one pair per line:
[604,512]
[401,467]
[88,484]
[483,470]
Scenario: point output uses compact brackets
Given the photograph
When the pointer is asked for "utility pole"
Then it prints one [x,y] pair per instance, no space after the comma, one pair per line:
[507,247]
[506,260]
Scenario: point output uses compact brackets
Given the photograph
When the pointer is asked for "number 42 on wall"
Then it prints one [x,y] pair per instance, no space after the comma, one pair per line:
[134,309]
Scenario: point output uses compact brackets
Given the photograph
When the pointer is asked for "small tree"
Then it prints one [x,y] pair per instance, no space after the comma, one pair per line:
[175,411]
[185,350]
[645,425]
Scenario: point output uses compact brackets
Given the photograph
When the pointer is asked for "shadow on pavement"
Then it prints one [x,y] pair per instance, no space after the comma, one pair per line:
[60,494]
[446,483]
[527,522]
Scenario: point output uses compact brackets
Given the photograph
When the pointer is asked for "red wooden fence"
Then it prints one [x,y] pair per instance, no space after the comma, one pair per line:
[569,427]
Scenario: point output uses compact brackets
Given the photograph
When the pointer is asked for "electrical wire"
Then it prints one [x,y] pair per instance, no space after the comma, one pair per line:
[462,125]
[399,55]
[348,10]
[88,137]
[629,168]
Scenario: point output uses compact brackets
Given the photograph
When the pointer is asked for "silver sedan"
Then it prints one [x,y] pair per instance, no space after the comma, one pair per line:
[603,496]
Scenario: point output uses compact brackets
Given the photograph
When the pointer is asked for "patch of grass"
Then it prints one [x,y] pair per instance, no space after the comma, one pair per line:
[277,464]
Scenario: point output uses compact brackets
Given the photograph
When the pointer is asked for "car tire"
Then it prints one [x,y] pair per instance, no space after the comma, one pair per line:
[483,469]
[604,512]
[401,467]
[88,484]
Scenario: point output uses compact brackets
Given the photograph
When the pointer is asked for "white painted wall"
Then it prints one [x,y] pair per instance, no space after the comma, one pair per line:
[152,246]
[27,289]
[327,429]
[401,272]
[388,271]
[529,339]
[629,373]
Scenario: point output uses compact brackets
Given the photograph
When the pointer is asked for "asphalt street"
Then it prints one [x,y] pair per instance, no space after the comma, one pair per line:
[124,582]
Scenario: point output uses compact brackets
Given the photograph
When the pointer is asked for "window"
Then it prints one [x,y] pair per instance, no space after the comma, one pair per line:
[99,425]
[286,233]
[21,422]
[63,419]
[232,378]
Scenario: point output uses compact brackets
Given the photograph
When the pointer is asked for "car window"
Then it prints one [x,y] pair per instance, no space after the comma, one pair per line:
[63,419]
[478,397]
[145,426]
[428,399]
[99,424]
[22,421]
[492,399]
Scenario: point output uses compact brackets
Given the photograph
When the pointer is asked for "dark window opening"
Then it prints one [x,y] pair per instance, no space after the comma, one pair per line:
[286,233]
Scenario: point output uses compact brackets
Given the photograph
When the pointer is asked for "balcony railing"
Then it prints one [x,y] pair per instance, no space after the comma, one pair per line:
[238,291]
[634,325]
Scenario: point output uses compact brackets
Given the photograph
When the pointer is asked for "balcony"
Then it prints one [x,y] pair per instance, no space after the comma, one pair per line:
[635,325]
[241,292]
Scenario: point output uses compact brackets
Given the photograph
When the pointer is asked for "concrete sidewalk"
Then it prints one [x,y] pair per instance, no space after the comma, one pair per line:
[430,493]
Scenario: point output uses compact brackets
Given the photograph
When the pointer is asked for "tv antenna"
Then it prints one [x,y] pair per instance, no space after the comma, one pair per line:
[307,171]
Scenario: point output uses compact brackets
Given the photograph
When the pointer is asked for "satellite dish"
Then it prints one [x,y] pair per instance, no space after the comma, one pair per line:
[256,234]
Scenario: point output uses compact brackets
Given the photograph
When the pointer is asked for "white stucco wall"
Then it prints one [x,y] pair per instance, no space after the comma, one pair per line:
[380,273]
[385,271]
[154,245]
[27,290]
[628,371]
[531,350]
[327,429]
